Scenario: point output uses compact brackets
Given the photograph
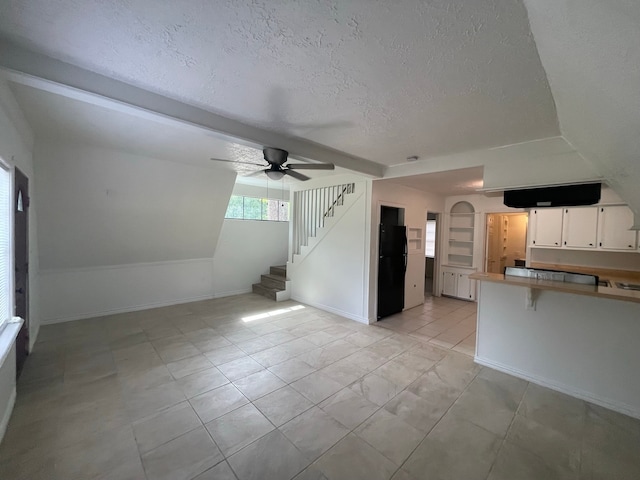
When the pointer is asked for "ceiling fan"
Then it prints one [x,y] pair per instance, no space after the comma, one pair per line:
[277,167]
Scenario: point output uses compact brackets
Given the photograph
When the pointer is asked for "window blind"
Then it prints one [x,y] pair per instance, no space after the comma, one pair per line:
[5,245]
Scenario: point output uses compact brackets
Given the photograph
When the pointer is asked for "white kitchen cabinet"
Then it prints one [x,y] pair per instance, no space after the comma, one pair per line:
[579,227]
[613,228]
[456,283]
[449,283]
[466,287]
[547,227]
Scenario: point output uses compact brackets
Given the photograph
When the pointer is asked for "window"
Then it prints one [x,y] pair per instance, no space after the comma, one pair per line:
[430,239]
[252,208]
[5,244]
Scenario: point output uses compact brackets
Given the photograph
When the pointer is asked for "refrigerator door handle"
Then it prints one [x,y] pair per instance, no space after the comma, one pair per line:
[406,254]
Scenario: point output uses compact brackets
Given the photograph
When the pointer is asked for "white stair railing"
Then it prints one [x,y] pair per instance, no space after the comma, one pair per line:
[312,207]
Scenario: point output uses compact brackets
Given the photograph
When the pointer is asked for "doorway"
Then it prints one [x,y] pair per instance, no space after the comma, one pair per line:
[21,263]
[430,253]
[506,241]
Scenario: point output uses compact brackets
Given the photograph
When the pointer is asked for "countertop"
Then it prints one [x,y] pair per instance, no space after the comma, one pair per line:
[613,293]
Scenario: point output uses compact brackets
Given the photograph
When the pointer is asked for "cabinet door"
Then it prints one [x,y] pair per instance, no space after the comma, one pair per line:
[449,284]
[579,227]
[414,281]
[613,228]
[466,287]
[548,227]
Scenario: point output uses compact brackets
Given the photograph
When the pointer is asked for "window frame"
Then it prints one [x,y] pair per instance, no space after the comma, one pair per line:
[264,206]
[6,244]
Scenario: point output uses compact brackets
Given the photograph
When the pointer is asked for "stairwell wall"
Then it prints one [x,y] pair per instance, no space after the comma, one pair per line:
[334,275]
[247,248]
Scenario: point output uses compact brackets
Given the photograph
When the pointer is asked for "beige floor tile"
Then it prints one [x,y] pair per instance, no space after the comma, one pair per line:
[142,402]
[258,384]
[389,435]
[348,408]
[310,473]
[454,449]
[292,370]
[355,459]
[554,409]
[272,356]
[556,447]
[189,365]
[182,458]
[376,389]
[313,432]
[491,402]
[222,471]
[282,405]
[240,368]
[158,429]
[272,457]
[398,374]
[217,402]
[416,411]
[316,387]
[201,382]
[239,428]
[343,372]
[514,462]
[226,354]
[96,455]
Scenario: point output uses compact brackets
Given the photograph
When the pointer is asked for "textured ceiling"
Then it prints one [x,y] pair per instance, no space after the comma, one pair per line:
[379,80]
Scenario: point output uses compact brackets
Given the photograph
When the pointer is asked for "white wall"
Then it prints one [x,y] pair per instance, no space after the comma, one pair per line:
[334,275]
[416,204]
[246,249]
[584,346]
[121,232]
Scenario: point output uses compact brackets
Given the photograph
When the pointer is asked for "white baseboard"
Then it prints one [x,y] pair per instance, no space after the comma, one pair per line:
[544,382]
[327,308]
[134,308]
[7,414]
[231,293]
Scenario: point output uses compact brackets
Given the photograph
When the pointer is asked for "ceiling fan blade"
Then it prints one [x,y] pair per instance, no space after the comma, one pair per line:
[296,175]
[311,166]
[233,161]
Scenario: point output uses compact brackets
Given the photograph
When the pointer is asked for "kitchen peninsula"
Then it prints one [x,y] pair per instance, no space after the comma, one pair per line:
[583,340]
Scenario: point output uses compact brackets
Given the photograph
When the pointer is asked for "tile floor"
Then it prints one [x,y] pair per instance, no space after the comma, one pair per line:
[243,388]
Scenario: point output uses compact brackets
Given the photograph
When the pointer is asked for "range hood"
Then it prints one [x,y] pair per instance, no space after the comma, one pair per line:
[561,196]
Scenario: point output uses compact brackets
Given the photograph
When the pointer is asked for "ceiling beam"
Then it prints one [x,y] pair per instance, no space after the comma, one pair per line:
[25,62]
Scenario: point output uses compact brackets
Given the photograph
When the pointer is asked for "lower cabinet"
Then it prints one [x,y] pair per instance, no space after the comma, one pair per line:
[456,283]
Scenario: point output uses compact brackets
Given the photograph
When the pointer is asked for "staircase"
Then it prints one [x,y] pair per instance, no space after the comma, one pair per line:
[273,285]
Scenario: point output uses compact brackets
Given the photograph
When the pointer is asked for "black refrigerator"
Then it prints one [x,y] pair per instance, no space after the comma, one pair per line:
[392,265]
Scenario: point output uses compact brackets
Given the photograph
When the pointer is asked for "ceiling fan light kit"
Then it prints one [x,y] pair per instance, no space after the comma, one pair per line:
[276,159]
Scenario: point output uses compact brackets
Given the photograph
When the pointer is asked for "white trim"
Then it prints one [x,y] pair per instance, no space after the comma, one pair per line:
[4,423]
[134,308]
[337,311]
[7,336]
[231,293]
[57,271]
[560,387]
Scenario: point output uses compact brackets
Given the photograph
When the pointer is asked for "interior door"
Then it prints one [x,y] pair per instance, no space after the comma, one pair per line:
[21,262]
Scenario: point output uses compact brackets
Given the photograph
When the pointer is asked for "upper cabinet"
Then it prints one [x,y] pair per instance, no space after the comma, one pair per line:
[546,225]
[579,227]
[613,228]
[599,228]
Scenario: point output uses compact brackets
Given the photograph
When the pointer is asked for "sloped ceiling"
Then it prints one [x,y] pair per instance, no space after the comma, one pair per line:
[591,52]
[378,80]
